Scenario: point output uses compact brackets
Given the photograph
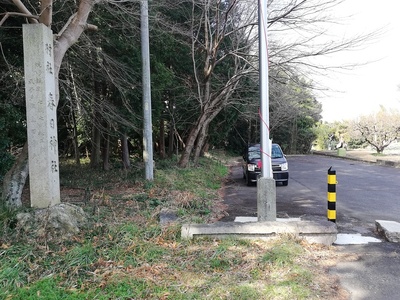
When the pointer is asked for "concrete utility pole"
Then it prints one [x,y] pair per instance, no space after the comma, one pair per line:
[147,122]
[266,189]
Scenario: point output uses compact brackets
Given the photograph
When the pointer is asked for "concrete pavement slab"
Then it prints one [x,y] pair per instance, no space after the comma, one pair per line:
[255,219]
[354,239]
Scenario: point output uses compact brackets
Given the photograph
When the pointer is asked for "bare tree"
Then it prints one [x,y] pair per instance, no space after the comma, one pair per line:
[378,130]
[225,32]
[219,39]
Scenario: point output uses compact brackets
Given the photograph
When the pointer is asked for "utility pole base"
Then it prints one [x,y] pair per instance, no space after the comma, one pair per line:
[266,199]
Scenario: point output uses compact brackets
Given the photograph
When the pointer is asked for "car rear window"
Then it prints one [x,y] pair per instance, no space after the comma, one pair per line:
[254,153]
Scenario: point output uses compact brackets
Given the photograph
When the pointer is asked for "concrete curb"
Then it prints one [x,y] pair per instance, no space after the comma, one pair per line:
[341,157]
[319,232]
[381,162]
[388,163]
[390,230]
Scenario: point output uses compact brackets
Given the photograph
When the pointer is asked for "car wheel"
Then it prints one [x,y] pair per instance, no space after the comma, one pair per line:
[248,181]
[285,183]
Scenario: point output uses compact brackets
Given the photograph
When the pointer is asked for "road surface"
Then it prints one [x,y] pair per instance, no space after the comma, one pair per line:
[365,193]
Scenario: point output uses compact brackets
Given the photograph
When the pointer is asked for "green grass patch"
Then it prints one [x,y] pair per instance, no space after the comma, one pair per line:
[283,254]
[47,289]
[207,175]
[125,253]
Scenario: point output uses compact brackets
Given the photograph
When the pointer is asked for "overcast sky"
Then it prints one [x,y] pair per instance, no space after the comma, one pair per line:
[362,90]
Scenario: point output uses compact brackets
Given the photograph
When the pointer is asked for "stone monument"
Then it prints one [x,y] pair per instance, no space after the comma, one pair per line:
[41,113]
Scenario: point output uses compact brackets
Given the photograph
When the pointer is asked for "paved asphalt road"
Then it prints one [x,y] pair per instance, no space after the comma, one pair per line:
[365,193]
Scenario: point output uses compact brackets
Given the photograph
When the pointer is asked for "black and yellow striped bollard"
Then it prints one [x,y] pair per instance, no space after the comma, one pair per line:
[332,195]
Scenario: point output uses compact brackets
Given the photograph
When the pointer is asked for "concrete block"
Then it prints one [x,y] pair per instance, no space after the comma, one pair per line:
[389,229]
[320,232]
[266,199]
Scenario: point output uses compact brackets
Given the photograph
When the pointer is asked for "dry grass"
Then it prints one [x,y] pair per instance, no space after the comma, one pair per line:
[125,253]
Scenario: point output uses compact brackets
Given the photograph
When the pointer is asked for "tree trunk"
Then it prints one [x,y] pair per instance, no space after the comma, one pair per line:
[201,139]
[75,137]
[171,140]
[106,152]
[14,180]
[125,152]
[294,133]
[74,95]
[191,139]
[161,150]
[196,133]
[205,148]
[97,117]
[95,156]
[46,15]
[96,148]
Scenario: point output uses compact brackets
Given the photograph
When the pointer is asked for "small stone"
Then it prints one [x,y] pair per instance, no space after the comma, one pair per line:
[168,216]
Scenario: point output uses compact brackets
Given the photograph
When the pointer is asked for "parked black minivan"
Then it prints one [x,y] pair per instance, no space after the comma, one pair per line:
[252,164]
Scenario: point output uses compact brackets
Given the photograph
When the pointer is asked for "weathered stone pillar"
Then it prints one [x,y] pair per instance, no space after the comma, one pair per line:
[41,115]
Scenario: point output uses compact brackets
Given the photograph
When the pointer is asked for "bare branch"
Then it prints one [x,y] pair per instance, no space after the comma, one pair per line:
[8,14]
[22,8]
